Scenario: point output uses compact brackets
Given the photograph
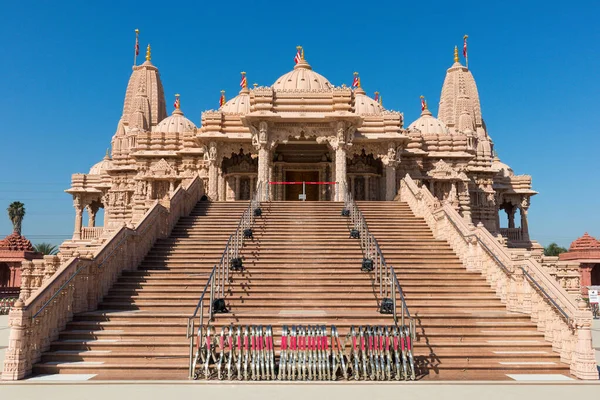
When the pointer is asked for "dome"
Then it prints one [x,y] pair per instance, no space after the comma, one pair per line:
[428,124]
[16,242]
[363,104]
[499,166]
[240,104]
[586,242]
[101,167]
[176,123]
[302,77]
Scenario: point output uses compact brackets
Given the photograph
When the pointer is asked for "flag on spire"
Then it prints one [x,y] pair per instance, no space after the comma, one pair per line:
[465,54]
[356,81]
[377,96]
[176,104]
[136,48]
[222,99]
[423,103]
[244,81]
[298,54]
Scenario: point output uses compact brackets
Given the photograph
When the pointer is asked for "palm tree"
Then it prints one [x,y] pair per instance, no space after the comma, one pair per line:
[46,249]
[16,212]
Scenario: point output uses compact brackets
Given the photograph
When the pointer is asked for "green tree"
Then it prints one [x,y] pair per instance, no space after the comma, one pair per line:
[16,213]
[552,250]
[46,249]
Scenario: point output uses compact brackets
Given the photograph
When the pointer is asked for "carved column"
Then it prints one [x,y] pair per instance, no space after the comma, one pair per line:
[78,217]
[367,187]
[92,211]
[511,216]
[390,180]
[213,173]
[260,141]
[524,225]
[236,189]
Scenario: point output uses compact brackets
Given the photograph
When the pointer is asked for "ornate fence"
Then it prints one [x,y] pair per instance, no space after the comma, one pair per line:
[52,293]
[523,285]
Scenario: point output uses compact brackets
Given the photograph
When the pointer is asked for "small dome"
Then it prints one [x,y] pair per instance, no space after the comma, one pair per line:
[428,124]
[176,123]
[363,104]
[499,166]
[240,104]
[101,167]
[16,242]
[586,242]
[302,77]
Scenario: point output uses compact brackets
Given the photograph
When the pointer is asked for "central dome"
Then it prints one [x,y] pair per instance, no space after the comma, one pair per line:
[302,77]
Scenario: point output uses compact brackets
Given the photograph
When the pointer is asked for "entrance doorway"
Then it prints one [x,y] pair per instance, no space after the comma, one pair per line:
[292,192]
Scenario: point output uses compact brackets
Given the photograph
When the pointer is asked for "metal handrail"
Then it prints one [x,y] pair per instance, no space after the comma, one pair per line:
[190,321]
[506,270]
[384,276]
[550,299]
[219,275]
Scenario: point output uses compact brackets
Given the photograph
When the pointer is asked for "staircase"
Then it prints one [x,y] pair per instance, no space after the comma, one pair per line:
[465,331]
[300,269]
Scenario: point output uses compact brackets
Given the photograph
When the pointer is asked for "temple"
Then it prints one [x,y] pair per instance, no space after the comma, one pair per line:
[203,248]
[301,128]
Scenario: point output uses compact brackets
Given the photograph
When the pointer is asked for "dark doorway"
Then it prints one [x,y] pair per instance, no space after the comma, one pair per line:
[596,275]
[293,191]
[4,275]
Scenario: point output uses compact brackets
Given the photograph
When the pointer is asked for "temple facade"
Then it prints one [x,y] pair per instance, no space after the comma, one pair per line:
[300,128]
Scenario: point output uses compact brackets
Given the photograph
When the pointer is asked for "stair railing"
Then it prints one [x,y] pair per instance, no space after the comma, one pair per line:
[219,276]
[524,288]
[384,275]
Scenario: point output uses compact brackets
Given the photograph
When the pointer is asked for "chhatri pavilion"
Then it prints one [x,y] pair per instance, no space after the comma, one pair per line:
[301,128]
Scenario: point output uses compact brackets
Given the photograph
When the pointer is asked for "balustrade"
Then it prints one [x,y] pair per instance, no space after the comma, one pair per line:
[523,285]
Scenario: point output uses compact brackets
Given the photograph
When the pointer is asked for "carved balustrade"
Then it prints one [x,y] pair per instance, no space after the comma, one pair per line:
[512,234]
[522,284]
[52,293]
[91,233]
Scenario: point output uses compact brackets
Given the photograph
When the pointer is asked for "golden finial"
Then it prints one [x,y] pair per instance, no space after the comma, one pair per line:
[148,53]
[303,53]
[455,54]
[106,156]
[358,82]
[466,37]
[255,85]
[137,31]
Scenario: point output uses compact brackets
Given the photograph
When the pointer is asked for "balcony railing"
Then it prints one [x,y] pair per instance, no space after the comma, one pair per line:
[88,233]
[512,234]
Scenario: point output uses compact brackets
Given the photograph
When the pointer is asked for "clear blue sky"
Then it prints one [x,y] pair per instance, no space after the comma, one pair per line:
[65,67]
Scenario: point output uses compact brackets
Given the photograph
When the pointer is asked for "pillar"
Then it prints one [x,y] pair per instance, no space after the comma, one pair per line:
[367,187]
[524,224]
[213,173]
[236,190]
[511,216]
[340,172]
[78,217]
[390,181]
[91,215]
